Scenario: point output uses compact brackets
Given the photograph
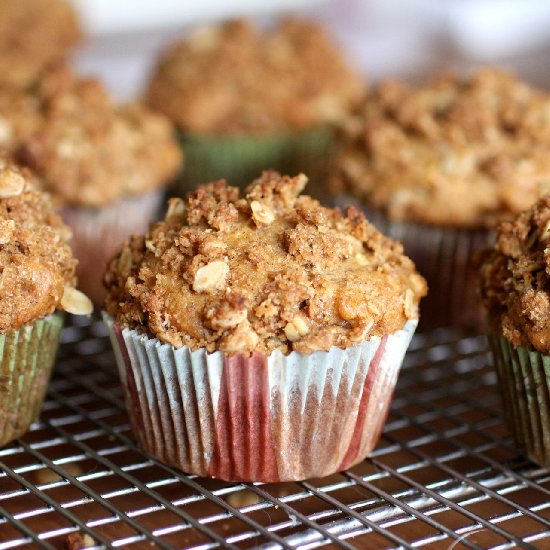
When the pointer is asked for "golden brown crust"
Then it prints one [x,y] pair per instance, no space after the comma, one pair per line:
[87,149]
[514,278]
[33,35]
[272,270]
[458,152]
[36,263]
[233,78]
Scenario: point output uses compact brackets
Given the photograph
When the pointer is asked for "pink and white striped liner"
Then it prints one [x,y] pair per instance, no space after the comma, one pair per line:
[258,418]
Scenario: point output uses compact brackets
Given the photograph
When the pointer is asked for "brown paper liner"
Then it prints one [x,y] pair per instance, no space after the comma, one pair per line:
[524,380]
[98,233]
[27,356]
[259,418]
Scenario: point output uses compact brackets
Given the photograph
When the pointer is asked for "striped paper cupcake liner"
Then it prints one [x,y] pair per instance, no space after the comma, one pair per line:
[27,357]
[99,232]
[446,257]
[258,418]
[524,379]
[241,159]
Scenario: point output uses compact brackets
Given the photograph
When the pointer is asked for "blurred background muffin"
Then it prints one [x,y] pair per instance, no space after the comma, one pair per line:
[276,301]
[437,166]
[514,283]
[37,278]
[105,164]
[34,34]
[245,99]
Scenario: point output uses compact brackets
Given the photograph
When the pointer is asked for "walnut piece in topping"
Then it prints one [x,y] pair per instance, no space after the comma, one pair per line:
[211,277]
[296,328]
[241,340]
[227,314]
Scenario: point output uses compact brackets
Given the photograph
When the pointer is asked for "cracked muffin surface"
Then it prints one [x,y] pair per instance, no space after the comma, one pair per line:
[37,268]
[270,270]
[234,78]
[515,278]
[463,152]
[87,149]
[33,35]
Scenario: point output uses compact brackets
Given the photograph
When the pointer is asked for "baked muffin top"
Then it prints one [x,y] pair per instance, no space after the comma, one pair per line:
[37,268]
[268,271]
[462,152]
[34,34]
[515,278]
[234,78]
[87,149]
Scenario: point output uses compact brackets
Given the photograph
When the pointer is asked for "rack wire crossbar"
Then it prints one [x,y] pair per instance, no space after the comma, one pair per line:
[444,475]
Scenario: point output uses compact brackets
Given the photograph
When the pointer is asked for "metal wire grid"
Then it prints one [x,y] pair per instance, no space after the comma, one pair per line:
[445,472]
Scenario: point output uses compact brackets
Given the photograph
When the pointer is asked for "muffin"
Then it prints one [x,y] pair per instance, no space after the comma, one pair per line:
[34,34]
[515,287]
[244,99]
[259,337]
[437,166]
[37,278]
[105,164]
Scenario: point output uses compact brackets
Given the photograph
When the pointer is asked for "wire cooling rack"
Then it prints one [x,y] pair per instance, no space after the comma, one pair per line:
[444,475]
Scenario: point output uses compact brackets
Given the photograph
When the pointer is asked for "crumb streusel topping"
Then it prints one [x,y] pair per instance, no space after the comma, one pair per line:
[33,35]
[234,78]
[87,149]
[268,271]
[515,276]
[37,268]
[457,152]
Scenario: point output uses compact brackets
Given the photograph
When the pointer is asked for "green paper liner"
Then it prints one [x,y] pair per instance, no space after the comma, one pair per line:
[241,159]
[27,356]
[524,379]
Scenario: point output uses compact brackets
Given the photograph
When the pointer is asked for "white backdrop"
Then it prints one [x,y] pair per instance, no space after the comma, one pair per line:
[404,38]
